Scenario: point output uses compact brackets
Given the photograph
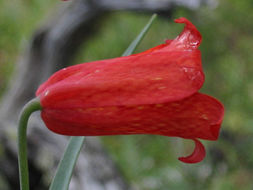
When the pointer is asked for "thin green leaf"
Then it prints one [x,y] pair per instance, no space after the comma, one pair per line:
[138,39]
[65,169]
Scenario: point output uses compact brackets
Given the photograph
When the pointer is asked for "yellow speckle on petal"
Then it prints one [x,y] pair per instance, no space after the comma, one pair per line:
[157,78]
[204,117]
[161,87]
[162,124]
[94,126]
[140,107]
[136,118]
[159,105]
[80,110]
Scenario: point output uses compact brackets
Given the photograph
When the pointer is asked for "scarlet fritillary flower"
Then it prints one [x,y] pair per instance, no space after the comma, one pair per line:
[153,92]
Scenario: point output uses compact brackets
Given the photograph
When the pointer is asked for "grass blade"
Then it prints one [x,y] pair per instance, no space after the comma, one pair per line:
[138,39]
[65,169]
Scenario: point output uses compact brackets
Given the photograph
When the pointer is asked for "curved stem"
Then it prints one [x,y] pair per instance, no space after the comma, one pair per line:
[28,109]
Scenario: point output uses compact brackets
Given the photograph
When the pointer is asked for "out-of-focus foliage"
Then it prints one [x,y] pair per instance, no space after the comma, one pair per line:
[149,162]
[18,20]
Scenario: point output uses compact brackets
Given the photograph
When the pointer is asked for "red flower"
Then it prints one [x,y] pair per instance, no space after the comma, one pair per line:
[153,92]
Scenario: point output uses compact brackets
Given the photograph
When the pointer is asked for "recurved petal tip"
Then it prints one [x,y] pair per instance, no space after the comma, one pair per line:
[190,38]
[198,154]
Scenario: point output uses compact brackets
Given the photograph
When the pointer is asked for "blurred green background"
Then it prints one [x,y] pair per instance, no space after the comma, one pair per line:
[150,162]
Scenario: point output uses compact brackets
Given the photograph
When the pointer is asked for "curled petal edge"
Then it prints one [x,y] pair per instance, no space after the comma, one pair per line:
[190,38]
[198,154]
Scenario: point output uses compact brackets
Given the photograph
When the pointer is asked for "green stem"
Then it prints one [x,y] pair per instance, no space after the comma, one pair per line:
[28,109]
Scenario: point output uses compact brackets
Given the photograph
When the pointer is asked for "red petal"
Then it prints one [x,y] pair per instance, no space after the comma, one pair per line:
[198,154]
[166,73]
[198,116]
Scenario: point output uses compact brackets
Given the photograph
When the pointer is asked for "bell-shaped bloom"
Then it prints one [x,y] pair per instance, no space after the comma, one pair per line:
[153,92]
